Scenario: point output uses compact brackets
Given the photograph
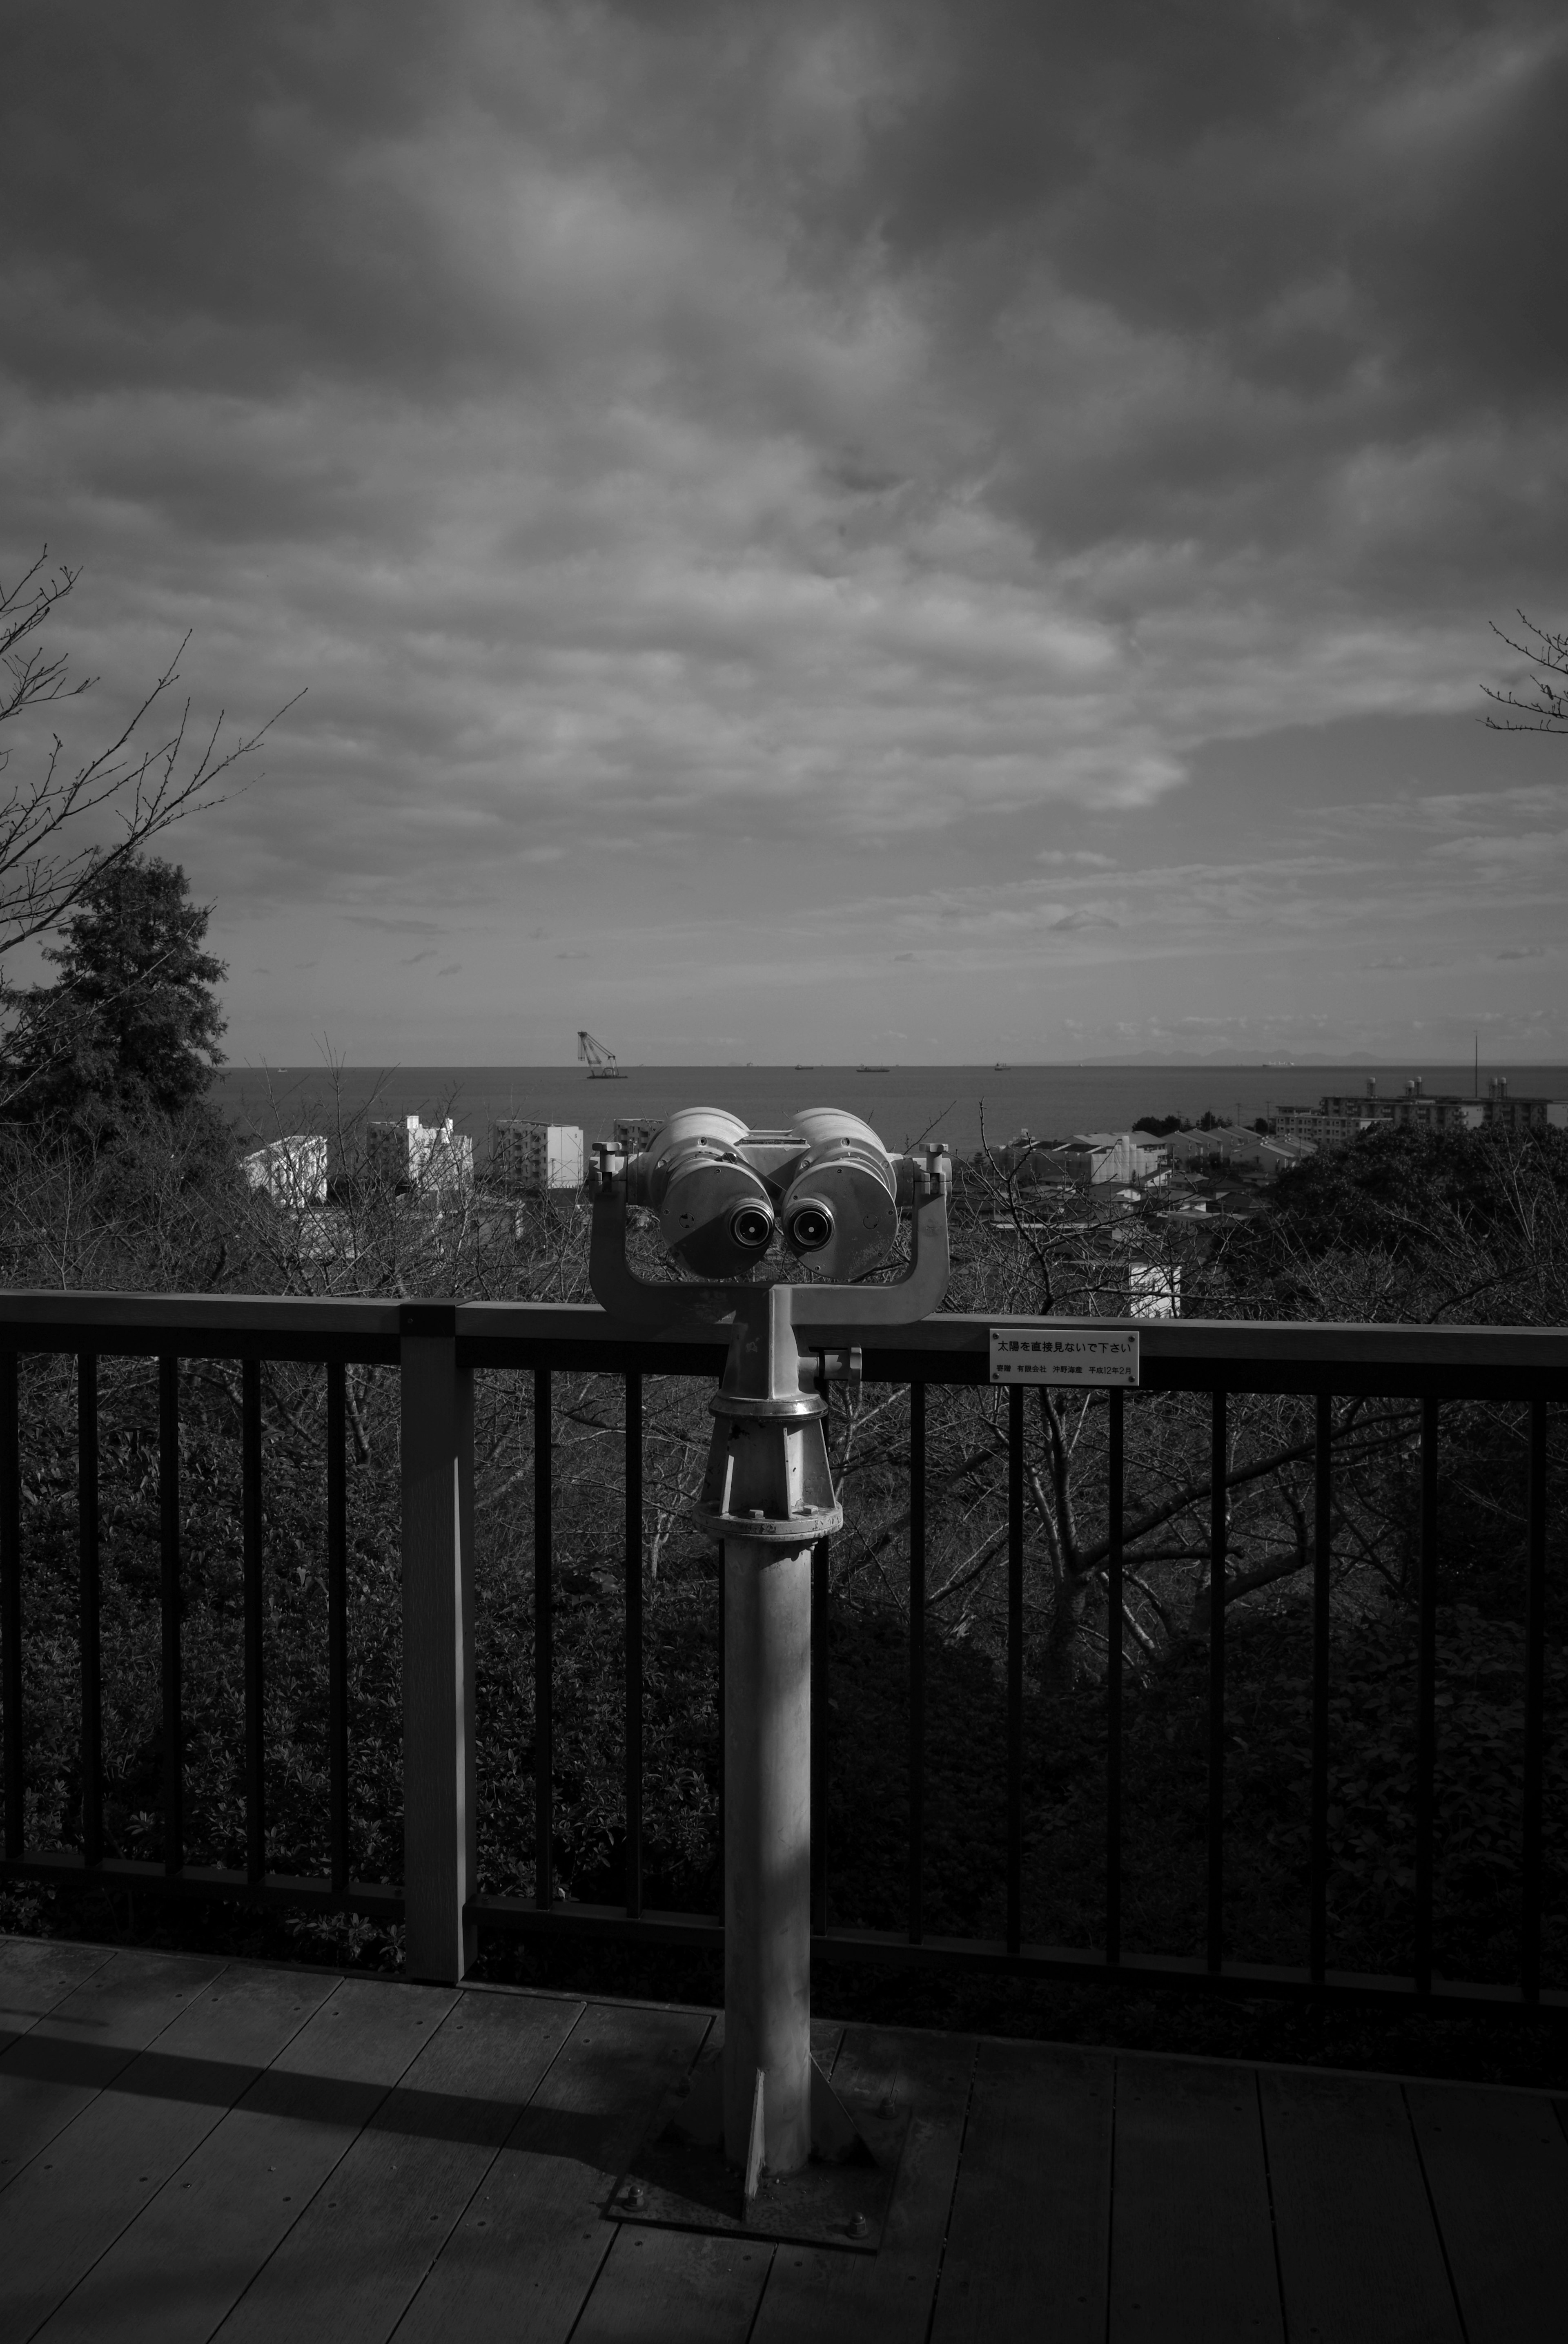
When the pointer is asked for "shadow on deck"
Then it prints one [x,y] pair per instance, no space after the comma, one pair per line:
[190,2148]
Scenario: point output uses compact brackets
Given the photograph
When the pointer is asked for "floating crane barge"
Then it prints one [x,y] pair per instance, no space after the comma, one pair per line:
[600,1062]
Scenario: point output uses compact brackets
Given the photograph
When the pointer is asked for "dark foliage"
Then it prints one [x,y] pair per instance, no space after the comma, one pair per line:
[168,1228]
[1420,1198]
[129,1029]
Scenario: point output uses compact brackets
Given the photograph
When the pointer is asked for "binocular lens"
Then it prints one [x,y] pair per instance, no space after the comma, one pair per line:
[751,1225]
[811,1227]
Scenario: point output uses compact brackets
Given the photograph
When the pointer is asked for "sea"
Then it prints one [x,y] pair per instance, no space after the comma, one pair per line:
[904,1104]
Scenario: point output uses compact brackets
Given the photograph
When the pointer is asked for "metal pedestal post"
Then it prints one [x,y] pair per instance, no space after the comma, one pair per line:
[767,2063]
[758,2139]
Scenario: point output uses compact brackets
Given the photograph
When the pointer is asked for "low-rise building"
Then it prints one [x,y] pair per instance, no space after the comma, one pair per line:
[1277,1156]
[529,1159]
[1088,1159]
[292,1170]
[1105,1286]
[1123,1157]
[1221,1149]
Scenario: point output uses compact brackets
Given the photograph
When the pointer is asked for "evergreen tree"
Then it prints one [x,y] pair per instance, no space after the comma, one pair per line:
[129,1029]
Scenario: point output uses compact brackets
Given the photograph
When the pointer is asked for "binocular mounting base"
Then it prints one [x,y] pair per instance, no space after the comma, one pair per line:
[680,2180]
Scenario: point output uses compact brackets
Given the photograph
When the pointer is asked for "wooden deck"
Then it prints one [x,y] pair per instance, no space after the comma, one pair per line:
[191,2149]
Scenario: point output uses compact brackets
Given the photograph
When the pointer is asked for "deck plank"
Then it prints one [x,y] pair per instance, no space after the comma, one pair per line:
[61,2064]
[527,2249]
[1191,2241]
[359,2252]
[74,2199]
[1497,2165]
[36,1973]
[1026,2251]
[676,2286]
[886,2298]
[1360,2258]
[1043,2191]
[183,2264]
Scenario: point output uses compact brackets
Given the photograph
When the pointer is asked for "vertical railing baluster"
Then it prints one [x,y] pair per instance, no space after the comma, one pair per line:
[337,1618]
[1115,1471]
[1218,1467]
[1426,1697]
[254,1662]
[544,1643]
[1323,1546]
[11,1601]
[821,1755]
[719,1553]
[1534,1707]
[169,1603]
[88,1599]
[440,1803]
[633,1644]
[916,1661]
[1014,1667]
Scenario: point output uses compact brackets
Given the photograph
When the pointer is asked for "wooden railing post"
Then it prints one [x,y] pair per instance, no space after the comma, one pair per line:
[438,1801]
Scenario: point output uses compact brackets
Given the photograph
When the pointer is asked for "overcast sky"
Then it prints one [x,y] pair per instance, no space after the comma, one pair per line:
[933,531]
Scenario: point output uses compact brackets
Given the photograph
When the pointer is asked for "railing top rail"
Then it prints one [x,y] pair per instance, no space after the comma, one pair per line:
[949,1345]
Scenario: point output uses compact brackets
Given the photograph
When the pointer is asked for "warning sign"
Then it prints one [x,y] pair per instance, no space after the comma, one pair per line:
[1042,1352]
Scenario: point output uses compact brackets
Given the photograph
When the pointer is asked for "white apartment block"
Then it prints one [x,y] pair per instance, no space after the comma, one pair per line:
[531,1158]
[1416,1109]
[292,1170]
[427,1158]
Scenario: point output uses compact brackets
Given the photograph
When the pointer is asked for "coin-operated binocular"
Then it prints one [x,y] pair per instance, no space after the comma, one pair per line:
[832,1194]
[722,1193]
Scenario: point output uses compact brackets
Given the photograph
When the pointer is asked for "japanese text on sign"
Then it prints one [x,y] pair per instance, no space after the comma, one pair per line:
[1044,1354]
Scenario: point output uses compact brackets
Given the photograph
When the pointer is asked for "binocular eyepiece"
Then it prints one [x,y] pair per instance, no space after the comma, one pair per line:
[809,1227]
[751,1227]
[721,1190]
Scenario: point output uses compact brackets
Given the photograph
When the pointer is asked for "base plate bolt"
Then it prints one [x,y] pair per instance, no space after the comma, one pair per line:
[857,2226]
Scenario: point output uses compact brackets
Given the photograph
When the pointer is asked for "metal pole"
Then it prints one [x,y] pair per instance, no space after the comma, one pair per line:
[768,1850]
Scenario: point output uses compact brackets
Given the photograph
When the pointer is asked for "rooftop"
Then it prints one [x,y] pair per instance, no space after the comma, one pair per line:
[192,2148]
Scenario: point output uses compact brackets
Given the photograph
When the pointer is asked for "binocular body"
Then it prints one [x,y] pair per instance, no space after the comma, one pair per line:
[721,1191]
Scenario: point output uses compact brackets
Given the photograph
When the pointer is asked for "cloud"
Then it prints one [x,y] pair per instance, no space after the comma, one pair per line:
[1519,952]
[707,433]
[1085,918]
[1528,848]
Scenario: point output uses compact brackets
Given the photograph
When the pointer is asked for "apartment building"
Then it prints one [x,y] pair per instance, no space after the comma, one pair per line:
[1333,1123]
[428,1158]
[529,1159]
[1416,1109]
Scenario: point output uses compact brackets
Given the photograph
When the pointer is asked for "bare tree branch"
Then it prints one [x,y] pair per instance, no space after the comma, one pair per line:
[43,874]
[1548,712]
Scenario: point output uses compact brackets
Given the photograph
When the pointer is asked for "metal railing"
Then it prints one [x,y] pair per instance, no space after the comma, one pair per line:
[438,1345]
